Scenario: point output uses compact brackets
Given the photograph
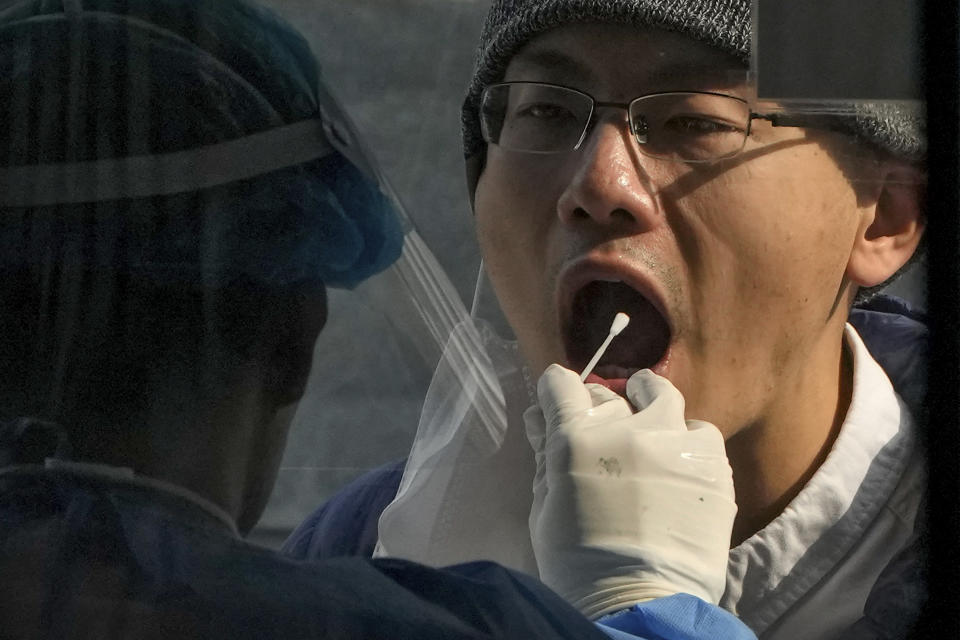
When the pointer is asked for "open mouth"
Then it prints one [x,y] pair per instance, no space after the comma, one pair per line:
[642,345]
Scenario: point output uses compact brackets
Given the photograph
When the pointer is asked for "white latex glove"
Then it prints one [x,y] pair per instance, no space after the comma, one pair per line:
[627,506]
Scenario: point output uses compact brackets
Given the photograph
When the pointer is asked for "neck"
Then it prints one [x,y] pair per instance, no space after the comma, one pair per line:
[775,457]
[226,451]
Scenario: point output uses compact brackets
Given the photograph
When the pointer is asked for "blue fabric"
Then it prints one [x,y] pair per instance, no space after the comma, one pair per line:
[92,557]
[678,617]
[324,221]
[893,331]
[358,231]
[339,527]
[896,335]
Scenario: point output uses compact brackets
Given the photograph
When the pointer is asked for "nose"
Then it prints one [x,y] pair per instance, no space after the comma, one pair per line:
[609,186]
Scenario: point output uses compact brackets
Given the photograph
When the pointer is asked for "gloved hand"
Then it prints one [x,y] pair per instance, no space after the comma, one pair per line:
[627,506]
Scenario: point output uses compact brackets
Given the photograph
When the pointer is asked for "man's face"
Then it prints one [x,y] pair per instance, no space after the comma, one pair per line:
[733,272]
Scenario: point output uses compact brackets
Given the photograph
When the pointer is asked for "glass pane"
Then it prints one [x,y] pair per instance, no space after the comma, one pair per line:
[245,292]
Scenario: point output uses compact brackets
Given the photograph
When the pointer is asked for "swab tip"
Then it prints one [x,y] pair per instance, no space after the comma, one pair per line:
[620,322]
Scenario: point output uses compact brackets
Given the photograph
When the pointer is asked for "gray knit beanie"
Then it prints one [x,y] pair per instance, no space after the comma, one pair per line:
[724,24]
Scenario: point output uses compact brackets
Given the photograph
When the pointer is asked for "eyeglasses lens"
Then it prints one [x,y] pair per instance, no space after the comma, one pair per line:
[534,117]
[693,127]
[687,126]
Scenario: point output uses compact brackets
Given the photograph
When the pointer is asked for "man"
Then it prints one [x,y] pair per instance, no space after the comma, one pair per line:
[172,213]
[618,161]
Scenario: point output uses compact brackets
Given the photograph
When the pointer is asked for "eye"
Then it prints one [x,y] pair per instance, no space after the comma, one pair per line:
[699,125]
[544,111]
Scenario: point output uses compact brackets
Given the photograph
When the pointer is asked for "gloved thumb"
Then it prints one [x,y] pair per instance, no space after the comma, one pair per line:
[657,399]
[562,395]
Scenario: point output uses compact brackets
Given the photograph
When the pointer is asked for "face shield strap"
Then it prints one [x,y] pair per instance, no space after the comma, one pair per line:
[165,174]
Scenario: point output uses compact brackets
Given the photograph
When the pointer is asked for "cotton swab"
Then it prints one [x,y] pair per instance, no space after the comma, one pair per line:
[620,322]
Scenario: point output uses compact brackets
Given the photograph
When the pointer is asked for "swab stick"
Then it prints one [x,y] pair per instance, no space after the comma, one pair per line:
[620,322]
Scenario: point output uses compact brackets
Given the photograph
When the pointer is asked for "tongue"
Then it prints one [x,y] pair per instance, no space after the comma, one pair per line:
[641,344]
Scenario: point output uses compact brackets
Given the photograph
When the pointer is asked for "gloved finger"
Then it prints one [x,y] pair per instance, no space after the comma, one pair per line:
[697,425]
[657,399]
[535,426]
[704,440]
[613,405]
[562,395]
[541,490]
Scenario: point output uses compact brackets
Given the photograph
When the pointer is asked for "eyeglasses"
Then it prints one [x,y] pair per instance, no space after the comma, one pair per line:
[689,126]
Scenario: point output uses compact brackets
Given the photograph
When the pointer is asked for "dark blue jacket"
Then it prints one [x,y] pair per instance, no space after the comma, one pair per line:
[86,556]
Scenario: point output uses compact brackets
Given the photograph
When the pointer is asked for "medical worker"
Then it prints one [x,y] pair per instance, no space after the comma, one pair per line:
[618,160]
[178,191]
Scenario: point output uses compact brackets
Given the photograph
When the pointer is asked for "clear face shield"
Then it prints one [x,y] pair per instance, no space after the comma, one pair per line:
[200,259]
[717,210]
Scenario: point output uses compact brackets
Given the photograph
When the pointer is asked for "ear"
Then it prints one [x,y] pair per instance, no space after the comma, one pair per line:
[892,225]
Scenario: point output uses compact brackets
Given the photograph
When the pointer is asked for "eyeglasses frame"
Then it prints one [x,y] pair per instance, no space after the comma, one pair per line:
[813,121]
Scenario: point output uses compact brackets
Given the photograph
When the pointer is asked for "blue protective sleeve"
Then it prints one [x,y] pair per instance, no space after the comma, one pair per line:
[677,617]
[346,525]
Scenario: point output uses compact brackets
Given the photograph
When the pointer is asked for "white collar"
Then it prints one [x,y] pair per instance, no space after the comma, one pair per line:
[770,571]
